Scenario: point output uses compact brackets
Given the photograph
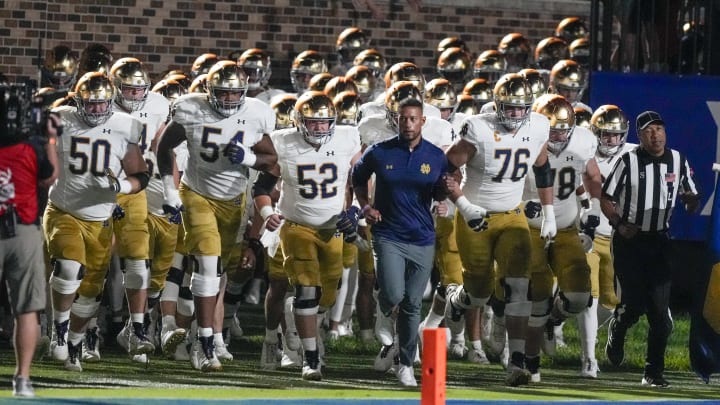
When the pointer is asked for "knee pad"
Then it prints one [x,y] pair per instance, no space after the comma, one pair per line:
[66,276]
[170,292]
[185,307]
[572,303]
[209,266]
[136,275]
[85,307]
[204,286]
[516,297]
[474,302]
[307,300]
[175,276]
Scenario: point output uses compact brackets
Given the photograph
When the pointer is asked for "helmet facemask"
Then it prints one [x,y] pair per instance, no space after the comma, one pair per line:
[226,87]
[93,97]
[610,142]
[510,120]
[315,132]
[559,139]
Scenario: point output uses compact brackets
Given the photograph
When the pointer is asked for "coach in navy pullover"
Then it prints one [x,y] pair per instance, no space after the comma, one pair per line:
[408,176]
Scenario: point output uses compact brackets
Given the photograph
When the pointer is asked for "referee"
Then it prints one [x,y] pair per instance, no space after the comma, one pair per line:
[638,198]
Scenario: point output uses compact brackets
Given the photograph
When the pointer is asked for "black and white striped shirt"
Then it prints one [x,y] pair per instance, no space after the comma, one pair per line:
[645,187]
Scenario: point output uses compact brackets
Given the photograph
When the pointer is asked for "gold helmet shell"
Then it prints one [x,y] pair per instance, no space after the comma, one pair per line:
[364,79]
[170,89]
[306,64]
[256,64]
[405,71]
[337,85]
[373,59]
[94,88]
[128,75]
[227,77]
[610,125]
[549,51]
[315,106]
[283,106]
[60,67]
[571,28]
[568,79]
[202,64]
[398,92]
[347,104]
[512,90]
[453,65]
[537,82]
[561,115]
[490,65]
[480,90]
[318,82]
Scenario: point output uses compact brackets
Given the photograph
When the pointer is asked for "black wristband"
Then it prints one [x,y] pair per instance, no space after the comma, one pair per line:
[255,244]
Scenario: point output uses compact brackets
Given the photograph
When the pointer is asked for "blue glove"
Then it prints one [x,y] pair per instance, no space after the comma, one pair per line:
[173,213]
[118,213]
[240,154]
[533,209]
[348,222]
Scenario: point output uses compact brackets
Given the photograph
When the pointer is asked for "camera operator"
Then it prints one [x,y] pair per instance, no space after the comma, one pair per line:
[23,164]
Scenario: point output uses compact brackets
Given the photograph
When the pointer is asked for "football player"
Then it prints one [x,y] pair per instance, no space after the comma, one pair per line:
[306,65]
[97,143]
[571,151]
[516,49]
[610,125]
[226,135]
[498,149]
[314,163]
[349,43]
[256,64]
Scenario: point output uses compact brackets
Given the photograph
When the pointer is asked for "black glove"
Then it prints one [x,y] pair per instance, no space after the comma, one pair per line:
[348,222]
[118,213]
[533,209]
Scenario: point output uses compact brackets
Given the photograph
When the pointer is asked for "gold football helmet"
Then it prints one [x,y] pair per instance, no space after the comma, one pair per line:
[453,65]
[351,41]
[170,89]
[132,83]
[568,79]
[490,65]
[198,85]
[562,121]
[451,42]
[571,28]
[202,64]
[256,64]
[337,85]
[549,51]
[318,82]
[364,79]
[610,125]
[373,59]
[582,117]
[511,92]
[398,92]
[95,58]
[179,77]
[312,110]
[480,90]
[306,65]
[537,83]
[441,94]
[93,97]
[466,105]
[347,104]
[68,100]
[516,49]
[579,51]
[283,105]
[226,86]
[405,71]
[59,68]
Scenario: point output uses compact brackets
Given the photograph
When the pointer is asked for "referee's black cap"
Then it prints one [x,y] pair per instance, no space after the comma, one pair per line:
[646,118]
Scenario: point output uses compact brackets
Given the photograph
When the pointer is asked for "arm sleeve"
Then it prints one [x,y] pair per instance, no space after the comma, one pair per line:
[45,168]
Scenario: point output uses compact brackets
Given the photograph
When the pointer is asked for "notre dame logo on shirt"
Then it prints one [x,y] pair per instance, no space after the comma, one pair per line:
[425,168]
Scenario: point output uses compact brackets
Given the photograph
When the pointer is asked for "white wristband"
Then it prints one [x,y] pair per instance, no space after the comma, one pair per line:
[548,211]
[125,186]
[266,211]
[168,182]
[584,196]
[250,158]
[595,203]
[468,209]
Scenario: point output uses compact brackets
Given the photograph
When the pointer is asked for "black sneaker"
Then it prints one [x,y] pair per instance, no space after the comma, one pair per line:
[615,348]
[658,381]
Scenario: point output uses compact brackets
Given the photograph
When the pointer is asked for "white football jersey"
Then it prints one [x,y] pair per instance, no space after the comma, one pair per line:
[375,129]
[313,181]
[456,123]
[84,153]
[606,164]
[495,175]
[209,172]
[568,168]
[488,107]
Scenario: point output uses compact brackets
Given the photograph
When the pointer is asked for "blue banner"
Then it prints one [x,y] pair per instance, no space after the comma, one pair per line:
[690,107]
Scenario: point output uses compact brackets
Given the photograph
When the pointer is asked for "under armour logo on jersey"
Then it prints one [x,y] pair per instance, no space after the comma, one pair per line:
[526,139]
[388,167]
[142,115]
[106,130]
[330,153]
[569,158]
[425,168]
[241,121]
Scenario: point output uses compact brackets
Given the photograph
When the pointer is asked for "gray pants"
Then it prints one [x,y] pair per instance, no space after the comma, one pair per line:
[403,271]
[22,263]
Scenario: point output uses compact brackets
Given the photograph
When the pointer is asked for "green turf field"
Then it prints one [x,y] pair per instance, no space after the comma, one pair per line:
[349,374]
